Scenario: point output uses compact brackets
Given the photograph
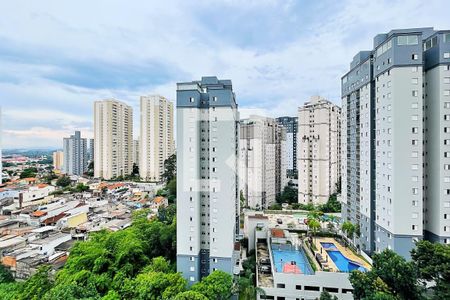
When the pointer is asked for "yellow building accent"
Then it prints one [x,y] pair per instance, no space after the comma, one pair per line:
[74,221]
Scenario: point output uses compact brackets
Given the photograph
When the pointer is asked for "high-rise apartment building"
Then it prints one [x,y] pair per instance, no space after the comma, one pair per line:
[157,139]
[318,155]
[91,150]
[58,160]
[75,154]
[136,151]
[395,100]
[290,155]
[261,166]
[207,177]
[113,139]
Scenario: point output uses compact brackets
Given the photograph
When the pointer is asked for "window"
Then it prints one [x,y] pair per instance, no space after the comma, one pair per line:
[414,227]
[415,93]
[446,104]
[415,191]
[446,167]
[191,99]
[298,287]
[415,69]
[415,203]
[192,258]
[414,105]
[214,98]
[446,92]
[446,79]
[281,285]
[415,80]
[446,117]
[414,154]
[414,117]
[192,269]
[415,130]
[415,178]
[446,142]
[446,54]
[407,40]
[414,57]
[446,37]
[414,167]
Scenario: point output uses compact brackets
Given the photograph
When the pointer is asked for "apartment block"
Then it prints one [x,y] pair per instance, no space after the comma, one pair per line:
[393,140]
[207,177]
[75,154]
[261,167]
[91,150]
[157,139]
[318,144]
[437,136]
[290,153]
[136,152]
[113,139]
[58,160]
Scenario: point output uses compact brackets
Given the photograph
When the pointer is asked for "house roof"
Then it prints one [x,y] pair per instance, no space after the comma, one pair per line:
[277,233]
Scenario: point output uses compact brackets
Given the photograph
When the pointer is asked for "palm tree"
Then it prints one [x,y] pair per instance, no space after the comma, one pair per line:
[313,225]
[349,229]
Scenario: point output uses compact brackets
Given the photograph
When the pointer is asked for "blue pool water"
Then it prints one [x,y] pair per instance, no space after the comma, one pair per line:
[341,262]
[283,255]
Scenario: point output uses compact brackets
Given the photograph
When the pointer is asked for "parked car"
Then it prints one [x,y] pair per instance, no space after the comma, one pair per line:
[264,269]
[279,221]
[264,261]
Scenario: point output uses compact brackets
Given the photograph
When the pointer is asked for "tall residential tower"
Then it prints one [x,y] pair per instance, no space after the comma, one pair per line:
[75,154]
[207,180]
[113,139]
[396,102]
[261,165]
[318,155]
[157,140]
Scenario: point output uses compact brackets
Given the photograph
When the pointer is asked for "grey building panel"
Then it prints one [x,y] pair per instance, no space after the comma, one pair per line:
[221,263]
[435,55]
[184,265]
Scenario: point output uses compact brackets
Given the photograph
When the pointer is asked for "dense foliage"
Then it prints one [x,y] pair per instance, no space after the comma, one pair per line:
[63,181]
[392,277]
[29,172]
[135,263]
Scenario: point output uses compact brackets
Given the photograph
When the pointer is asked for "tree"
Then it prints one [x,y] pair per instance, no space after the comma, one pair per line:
[63,181]
[391,276]
[135,172]
[190,295]
[326,296]
[172,187]
[348,228]
[433,263]
[217,285]
[289,195]
[29,173]
[81,188]
[5,275]
[332,205]
[247,288]
[170,168]
[37,285]
[313,225]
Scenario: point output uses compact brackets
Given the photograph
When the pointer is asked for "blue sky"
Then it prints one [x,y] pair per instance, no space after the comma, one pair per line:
[57,57]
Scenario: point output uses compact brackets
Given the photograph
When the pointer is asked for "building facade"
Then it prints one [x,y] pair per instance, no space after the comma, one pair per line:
[318,144]
[91,150]
[75,154]
[157,139]
[290,153]
[207,177]
[58,160]
[136,152]
[113,139]
[393,140]
[261,167]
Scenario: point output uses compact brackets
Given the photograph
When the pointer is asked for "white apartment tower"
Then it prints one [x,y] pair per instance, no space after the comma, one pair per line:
[396,102]
[113,139]
[318,144]
[261,165]
[207,177]
[157,139]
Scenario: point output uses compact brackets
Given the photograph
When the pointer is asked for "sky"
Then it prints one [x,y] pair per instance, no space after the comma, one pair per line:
[58,57]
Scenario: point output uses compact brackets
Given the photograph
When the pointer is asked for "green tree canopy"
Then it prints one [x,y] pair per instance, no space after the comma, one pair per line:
[216,285]
[63,181]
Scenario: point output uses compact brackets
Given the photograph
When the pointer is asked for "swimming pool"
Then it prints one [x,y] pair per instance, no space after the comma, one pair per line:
[341,262]
[285,259]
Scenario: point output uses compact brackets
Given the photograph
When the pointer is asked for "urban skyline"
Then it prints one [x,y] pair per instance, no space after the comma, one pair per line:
[281,61]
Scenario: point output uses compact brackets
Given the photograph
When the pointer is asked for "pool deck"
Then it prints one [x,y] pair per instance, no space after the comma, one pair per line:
[345,251]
